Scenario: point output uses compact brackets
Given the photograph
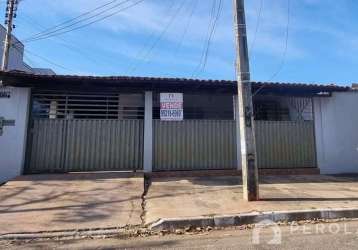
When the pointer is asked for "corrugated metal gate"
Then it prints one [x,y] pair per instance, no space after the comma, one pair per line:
[194,145]
[211,144]
[285,144]
[85,132]
[104,132]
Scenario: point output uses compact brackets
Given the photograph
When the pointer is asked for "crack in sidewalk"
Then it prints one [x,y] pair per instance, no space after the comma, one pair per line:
[147,184]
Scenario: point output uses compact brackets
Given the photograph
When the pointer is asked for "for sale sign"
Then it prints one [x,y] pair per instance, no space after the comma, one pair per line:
[171,106]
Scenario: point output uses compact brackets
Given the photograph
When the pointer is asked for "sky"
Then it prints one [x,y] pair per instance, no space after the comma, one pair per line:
[169,38]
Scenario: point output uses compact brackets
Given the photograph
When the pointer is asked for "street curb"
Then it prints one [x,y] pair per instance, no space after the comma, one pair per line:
[172,224]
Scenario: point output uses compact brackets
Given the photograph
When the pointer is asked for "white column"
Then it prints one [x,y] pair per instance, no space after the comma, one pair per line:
[14,105]
[148,132]
[238,139]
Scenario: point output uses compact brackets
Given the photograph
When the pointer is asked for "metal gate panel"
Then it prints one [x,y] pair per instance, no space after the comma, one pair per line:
[86,145]
[285,144]
[103,145]
[46,146]
[194,145]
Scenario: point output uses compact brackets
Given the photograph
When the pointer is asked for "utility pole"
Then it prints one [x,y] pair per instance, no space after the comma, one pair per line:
[245,121]
[10,14]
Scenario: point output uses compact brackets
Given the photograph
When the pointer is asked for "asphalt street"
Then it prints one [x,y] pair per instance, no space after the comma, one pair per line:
[341,235]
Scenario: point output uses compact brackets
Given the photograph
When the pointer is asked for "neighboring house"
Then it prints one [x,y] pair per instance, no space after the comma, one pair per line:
[83,123]
[16,56]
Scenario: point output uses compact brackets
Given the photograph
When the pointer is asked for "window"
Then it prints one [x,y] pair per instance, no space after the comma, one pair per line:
[55,105]
[276,108]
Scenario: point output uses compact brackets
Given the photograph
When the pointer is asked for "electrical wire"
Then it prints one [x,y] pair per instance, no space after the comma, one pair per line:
[41,57]
[186,28]
[63,42]
[211,23]
[47,60]
[53,28]
[151,37]
[56,33]
[191,10]
[283,61]
[258,22]
[146,55]
[212,27]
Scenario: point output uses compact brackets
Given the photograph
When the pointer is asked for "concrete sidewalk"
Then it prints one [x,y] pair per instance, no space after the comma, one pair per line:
[105,202]
[194,197]
[36,203]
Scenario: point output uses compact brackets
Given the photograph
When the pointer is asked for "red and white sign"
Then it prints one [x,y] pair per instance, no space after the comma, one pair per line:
[171,106]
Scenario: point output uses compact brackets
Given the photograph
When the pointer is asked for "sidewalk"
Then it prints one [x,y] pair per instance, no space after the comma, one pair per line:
[195,197]
[61,202]
[108,203]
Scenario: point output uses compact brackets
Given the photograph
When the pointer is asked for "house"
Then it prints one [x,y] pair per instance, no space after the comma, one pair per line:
[16,56]
[85,123]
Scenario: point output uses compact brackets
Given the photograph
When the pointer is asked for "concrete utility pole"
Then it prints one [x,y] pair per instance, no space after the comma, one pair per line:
[9,16]
[245,121]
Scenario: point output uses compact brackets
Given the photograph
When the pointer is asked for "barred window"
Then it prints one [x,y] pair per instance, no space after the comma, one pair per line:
[276,108]
[57,105]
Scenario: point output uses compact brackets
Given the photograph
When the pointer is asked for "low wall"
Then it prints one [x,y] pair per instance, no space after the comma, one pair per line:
[336,125]
[14,105]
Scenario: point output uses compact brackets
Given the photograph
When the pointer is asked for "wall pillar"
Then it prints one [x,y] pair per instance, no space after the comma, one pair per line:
[14,106]
[148,132]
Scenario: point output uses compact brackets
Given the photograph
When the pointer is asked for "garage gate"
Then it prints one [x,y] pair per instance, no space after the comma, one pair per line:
[73,132]
[284,130]
[79,132]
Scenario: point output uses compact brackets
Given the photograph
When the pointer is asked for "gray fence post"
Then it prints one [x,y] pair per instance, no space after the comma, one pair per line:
[148,133]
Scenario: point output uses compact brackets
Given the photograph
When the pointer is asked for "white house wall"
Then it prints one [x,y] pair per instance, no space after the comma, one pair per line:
[336,121]
[13,139]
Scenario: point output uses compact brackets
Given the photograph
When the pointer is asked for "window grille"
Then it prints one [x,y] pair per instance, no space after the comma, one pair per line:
[275,108]
[57,105]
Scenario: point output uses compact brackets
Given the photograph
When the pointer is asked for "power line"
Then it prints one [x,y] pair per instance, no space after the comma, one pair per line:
[211,21]
[47,60]
[259,15]
[53,28]
[161,35]
[65,43]
[211,31]
[151,37]
[192,11]
[51,34]
[27,58]
[283,61]
[41,57]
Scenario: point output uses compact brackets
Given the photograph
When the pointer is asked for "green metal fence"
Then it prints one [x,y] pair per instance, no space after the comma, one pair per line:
[59,145]
[194,145]
[85,145]
[285,144]
[211,144]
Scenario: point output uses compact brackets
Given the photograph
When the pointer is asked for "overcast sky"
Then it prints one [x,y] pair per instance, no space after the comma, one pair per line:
[162,38]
